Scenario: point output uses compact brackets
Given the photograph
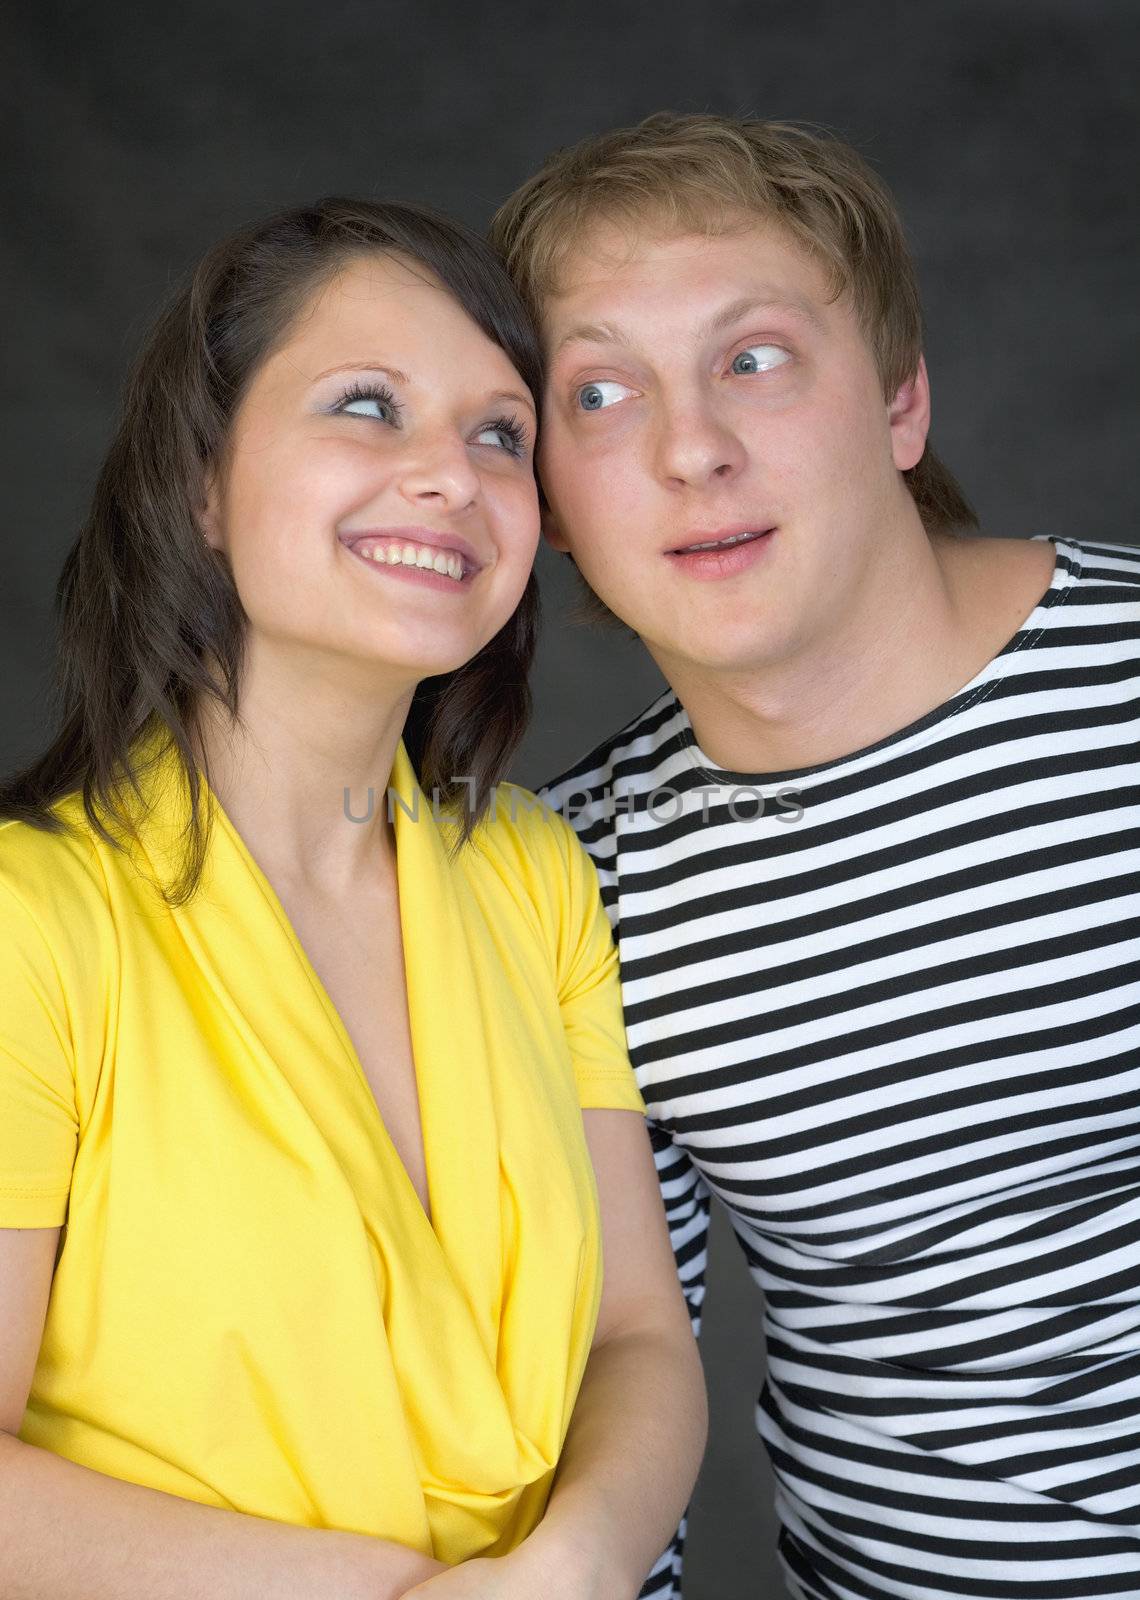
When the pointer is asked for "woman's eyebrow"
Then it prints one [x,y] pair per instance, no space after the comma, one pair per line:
[364,366]
[516,397]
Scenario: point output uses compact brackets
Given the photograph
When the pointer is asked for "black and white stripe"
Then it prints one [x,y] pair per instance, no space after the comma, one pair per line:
[899,1037]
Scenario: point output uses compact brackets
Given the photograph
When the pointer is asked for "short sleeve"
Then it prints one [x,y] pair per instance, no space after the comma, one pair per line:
[589,986]
[38,1117]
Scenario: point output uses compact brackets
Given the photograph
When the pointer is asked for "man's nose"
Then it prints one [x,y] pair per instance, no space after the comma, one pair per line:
[696,445]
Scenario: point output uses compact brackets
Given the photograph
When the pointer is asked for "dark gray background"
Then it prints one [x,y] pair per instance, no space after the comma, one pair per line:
[1007,129]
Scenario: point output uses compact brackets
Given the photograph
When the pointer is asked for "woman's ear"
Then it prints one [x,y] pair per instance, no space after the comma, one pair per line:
[909,419]
[209,513]
[551,531]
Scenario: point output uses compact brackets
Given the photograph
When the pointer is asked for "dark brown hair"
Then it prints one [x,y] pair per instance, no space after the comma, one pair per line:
[144,606]
[703,172]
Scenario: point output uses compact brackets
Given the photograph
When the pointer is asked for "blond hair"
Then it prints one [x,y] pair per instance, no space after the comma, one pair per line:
[701,173]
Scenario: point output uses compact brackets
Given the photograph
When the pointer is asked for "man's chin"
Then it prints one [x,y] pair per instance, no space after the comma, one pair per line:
[719,653]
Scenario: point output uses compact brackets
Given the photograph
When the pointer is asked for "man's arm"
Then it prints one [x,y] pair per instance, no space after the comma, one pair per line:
[686,1199]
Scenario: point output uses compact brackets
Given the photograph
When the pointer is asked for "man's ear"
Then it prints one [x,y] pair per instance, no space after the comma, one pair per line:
[552,532]
[909,418]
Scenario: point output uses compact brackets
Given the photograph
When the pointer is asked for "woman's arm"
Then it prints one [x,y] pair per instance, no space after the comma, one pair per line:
[70,1534]
[639,1427]
[638,1431]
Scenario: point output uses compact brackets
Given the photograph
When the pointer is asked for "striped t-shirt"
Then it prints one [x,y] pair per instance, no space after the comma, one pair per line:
[891,1017]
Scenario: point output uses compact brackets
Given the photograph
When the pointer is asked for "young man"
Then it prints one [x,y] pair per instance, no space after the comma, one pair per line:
[871,860]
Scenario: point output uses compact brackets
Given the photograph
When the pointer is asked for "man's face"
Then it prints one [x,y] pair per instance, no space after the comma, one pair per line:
[701,389]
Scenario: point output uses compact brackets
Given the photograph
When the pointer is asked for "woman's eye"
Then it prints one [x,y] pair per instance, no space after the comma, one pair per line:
[759,358]
[504,435]
[369,400]
[369,406]
[596,396]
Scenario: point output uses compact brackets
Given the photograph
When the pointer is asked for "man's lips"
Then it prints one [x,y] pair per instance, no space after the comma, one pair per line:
[700,543]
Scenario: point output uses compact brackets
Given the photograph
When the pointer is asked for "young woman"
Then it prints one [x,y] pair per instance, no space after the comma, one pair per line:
[315,1114]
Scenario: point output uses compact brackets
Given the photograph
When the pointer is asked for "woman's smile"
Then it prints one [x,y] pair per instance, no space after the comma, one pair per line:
[418,554]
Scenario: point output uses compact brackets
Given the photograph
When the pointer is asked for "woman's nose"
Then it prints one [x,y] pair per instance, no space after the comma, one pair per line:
[440,469]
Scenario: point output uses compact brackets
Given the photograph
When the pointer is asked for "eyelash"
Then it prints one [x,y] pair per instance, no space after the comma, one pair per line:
[510,427]
[371,391]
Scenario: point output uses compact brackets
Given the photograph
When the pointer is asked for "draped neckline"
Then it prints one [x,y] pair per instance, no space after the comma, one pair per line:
[462,1174]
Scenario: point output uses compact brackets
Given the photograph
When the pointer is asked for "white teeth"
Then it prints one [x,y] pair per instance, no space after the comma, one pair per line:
[723,544]
[410,555]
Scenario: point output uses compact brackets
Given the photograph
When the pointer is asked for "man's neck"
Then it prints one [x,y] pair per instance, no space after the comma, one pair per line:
[897,655]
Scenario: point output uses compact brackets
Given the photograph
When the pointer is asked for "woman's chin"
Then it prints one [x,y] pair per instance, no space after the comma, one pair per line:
[433,659]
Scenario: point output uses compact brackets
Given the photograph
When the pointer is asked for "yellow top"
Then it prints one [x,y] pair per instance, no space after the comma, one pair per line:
[251,1308]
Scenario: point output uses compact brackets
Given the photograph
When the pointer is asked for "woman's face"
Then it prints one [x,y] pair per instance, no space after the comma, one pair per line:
[376,500]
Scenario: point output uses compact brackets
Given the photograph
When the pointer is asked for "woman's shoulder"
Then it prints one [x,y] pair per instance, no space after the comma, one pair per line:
[101,851]
[53,875]
[526,856]
[521,835]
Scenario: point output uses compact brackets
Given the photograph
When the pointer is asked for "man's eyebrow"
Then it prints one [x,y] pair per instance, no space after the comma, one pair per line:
[594,333]
[614,333]
[402,377]
[748,303]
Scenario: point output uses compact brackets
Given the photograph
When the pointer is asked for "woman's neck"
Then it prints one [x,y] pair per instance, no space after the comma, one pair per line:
[294,772]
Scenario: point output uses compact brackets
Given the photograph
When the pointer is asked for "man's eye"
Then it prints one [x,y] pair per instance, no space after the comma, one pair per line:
[596,396]
[759,358]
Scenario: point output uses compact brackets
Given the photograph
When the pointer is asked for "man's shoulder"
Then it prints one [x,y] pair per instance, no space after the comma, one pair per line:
[629,759]
[1100,563]
[1086,617]
[1089,618]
